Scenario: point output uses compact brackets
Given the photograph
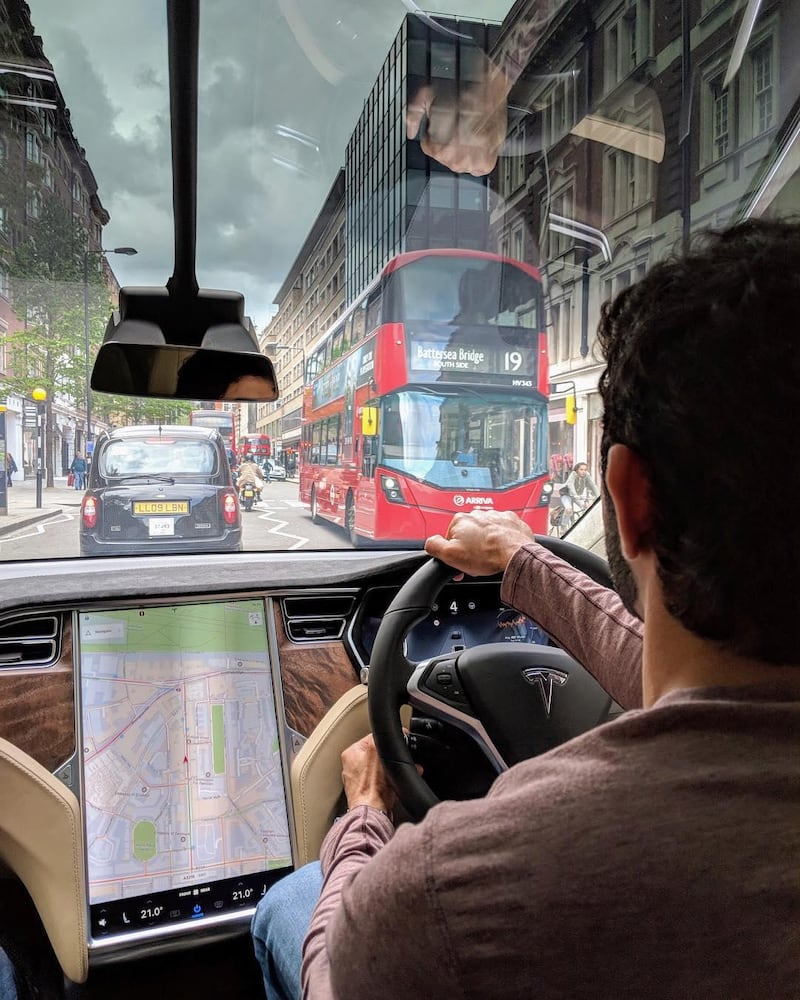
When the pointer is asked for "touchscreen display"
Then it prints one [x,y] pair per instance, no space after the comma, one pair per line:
[183,785]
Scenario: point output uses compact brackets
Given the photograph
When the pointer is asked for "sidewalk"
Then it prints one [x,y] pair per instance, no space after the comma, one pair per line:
[22,509]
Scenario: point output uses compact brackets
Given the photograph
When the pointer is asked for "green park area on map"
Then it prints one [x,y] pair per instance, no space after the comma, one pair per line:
[210,628]
[144,840]
[218,737]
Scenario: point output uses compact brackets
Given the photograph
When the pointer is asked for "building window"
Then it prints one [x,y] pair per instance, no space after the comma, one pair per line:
[33,204]
[627,40]
[720,119]
[763,87]
[626,183]
[47,124]
[559,111]
[560,206]
[76,188]
[519,244]
[47,172]
[33,148]
[3,218]
[3,151]
[3,283]
[560,331]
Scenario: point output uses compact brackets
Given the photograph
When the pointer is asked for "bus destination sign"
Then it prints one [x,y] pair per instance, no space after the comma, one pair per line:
[496,363]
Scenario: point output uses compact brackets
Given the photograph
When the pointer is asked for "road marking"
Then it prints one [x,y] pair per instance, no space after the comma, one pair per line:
[267,516]
[281,504]
[38,528]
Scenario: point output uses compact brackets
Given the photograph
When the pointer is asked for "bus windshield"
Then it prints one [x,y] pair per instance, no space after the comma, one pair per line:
[469,290]
[472,441]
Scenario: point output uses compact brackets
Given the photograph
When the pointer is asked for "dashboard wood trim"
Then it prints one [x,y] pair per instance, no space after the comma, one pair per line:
[314,675]
[37,711]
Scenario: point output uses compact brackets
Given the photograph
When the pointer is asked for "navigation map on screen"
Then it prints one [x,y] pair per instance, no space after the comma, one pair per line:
[183,784]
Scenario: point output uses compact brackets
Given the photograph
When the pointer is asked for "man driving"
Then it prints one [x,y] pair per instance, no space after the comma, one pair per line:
[654,856]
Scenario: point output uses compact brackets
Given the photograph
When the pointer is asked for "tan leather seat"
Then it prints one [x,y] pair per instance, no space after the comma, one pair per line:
[41,841]
[317,769]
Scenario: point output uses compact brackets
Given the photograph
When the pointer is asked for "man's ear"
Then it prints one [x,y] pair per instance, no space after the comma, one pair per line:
[629,489]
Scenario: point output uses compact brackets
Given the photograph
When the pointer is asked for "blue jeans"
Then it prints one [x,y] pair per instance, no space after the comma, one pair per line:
[279,927]
[8,986]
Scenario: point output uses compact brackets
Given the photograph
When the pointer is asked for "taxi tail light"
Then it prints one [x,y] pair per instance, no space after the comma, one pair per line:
[89,511]
[230,507]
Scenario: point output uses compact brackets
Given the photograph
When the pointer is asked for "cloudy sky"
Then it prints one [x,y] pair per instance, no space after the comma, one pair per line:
[268,69]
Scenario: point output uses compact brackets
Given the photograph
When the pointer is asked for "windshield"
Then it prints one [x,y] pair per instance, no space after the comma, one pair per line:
[424,214]
[462,290]
[474,442]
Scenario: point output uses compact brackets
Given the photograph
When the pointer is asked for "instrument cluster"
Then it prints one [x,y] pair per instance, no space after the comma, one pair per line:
[466,614]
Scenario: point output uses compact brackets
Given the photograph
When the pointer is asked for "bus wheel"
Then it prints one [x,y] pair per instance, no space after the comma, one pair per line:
[350,523]
[315,518]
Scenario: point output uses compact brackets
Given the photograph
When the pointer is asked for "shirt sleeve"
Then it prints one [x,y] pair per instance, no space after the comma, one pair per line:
[350,843]
[371,928]
[587,620]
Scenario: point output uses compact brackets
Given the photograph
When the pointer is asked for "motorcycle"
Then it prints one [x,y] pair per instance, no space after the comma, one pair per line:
[249,496]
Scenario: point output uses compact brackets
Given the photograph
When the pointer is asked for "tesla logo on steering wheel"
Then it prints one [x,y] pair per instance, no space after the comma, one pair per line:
[544,678]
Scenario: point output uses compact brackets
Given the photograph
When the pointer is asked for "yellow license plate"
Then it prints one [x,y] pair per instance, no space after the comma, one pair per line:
[147,507]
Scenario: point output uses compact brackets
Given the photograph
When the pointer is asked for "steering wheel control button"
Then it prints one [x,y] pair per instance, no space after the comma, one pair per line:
[441,680]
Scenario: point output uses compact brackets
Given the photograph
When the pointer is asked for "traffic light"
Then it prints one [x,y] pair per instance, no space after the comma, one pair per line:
[571,406]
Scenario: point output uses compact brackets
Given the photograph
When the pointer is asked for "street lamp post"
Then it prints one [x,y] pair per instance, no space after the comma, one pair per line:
[40,396]
[127,252]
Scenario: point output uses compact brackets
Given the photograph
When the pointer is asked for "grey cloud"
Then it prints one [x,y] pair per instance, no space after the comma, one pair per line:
[260,76]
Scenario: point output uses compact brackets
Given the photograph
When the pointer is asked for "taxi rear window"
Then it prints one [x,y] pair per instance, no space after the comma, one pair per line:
[165,457]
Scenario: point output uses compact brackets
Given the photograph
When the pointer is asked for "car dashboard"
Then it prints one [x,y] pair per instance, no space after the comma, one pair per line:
[173,708]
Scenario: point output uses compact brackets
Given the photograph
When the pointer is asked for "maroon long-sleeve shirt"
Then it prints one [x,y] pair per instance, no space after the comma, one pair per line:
[656,856]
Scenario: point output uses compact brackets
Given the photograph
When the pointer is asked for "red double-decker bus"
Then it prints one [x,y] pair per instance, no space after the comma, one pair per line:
[257,446]
[429,396]
[220,420]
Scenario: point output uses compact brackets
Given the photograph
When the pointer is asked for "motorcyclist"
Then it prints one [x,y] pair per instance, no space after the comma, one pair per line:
[250,475]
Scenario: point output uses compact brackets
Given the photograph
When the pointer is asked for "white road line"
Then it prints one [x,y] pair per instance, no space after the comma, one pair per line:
[267,516]
[38,528]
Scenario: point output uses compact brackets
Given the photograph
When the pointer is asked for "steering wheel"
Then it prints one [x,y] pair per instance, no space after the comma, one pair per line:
[516,700]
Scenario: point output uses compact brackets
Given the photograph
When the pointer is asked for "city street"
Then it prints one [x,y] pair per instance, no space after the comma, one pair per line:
[280,521]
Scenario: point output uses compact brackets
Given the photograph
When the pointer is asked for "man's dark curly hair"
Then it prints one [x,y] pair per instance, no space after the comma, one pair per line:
[703,383]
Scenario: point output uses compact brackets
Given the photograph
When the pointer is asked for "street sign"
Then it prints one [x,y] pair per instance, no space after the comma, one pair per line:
[29,416]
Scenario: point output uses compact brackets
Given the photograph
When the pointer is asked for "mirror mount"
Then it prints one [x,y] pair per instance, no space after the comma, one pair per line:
[180,341]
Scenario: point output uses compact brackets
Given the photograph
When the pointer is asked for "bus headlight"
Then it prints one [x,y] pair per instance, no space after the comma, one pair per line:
[546,494]
[391,489]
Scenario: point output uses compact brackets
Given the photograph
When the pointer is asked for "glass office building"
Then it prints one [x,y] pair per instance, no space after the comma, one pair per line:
[397,198]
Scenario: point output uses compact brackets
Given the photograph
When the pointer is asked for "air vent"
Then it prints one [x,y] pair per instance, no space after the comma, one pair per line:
[30,642]
[317,618]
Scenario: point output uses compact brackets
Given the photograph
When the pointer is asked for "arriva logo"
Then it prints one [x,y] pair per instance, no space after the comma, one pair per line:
[459,500]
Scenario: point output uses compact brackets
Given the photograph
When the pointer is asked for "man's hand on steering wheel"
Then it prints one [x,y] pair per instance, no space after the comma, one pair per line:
[481,542]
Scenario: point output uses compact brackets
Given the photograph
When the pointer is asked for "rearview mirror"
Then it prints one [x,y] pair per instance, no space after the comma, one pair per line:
[179,347]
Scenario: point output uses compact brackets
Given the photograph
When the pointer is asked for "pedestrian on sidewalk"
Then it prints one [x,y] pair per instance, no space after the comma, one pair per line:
[11,467]
[78,469]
